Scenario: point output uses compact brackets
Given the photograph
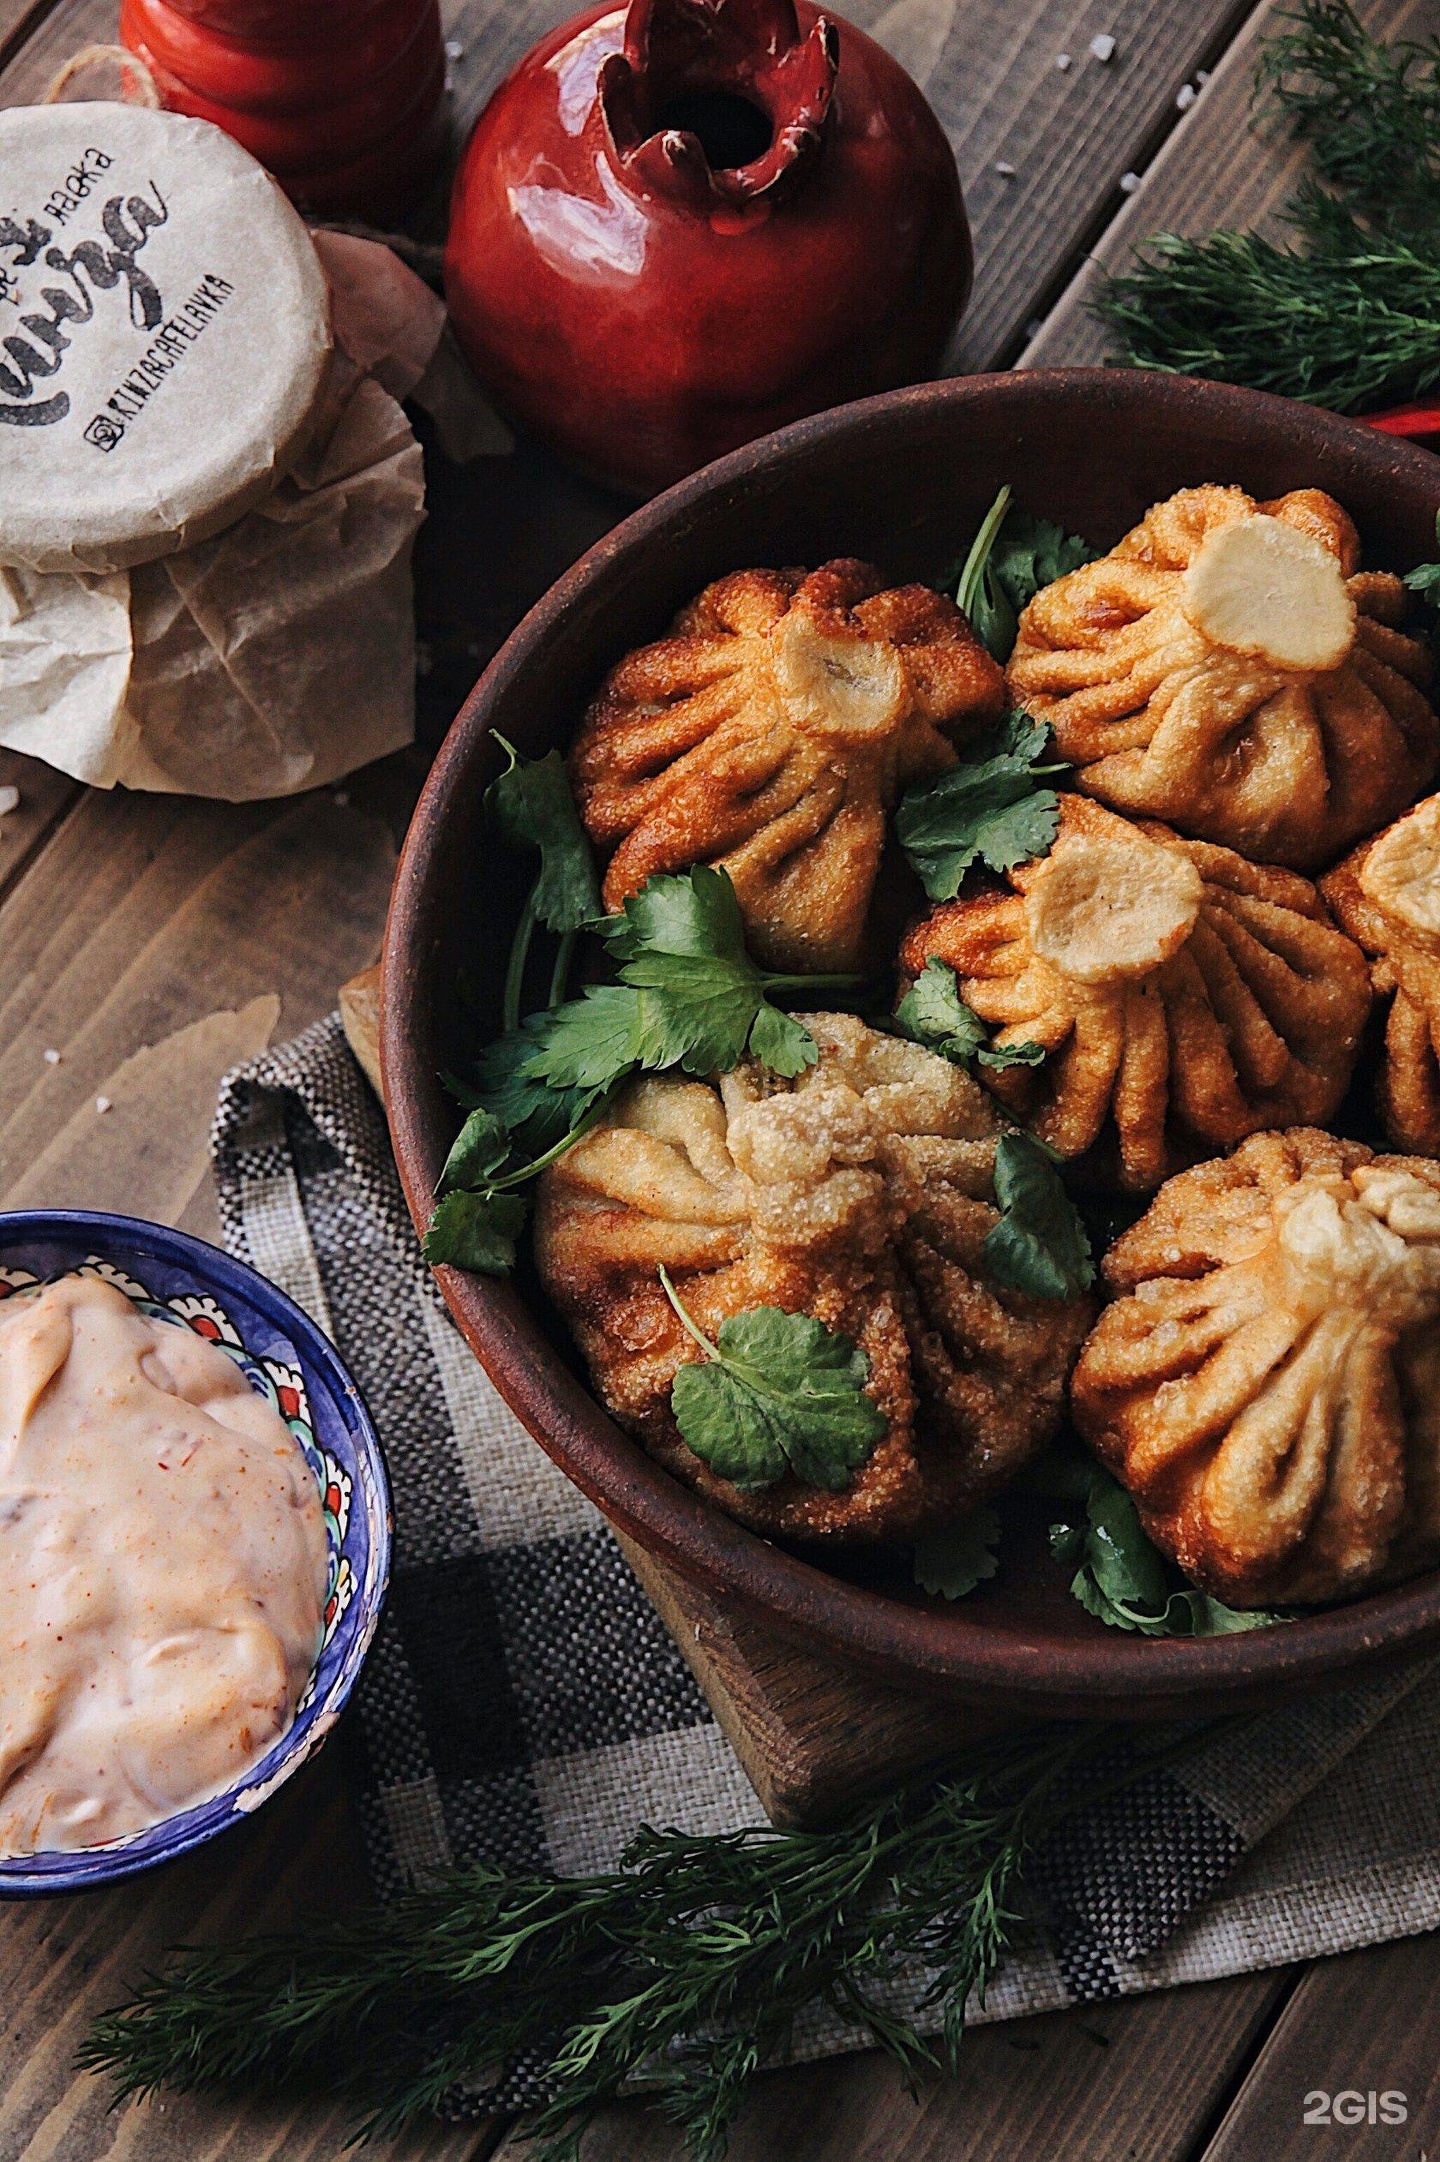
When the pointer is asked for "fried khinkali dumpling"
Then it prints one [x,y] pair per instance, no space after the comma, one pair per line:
[1228,669]
[1387,896]
[1268,1383]
[770,733]
[860,1194]
[1178,992]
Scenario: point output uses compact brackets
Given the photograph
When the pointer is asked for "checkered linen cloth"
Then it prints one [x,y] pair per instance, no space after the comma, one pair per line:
[523,1703]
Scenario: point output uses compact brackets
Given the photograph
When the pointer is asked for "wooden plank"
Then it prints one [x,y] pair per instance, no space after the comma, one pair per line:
[1225,164]
[1139,2077]
[51,36]
[1367,2022]
[149,913]
[19,20]
[45,797]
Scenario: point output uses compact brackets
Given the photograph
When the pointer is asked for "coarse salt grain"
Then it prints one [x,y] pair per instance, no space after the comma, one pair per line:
[102,1103]
[1063,61]
[9,800]
[52,1058]
[1103,47]
[1186,97]
[454,50]
[1006,172]
[1129,182]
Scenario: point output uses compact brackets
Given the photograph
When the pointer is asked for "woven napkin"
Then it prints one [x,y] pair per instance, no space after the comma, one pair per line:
[523,1703]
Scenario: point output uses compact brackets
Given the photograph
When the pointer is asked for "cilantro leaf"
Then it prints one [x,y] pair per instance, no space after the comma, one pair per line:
[1121,1579]
[777,1392]
[953,1561]
[933,1013]
[534,1111]
[590,1042]
[1425,578]
[1031,553]
[782,1043]
[693,913]
[480,1153]
[993,810]
[1039,1245]
[688,995]
[978,595]
[1011,557]
[476,1231]
[532,806]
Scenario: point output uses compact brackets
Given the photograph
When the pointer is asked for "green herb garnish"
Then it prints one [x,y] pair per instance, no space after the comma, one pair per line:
[532,807]
[933,1013]
[689,995]
[993,810]
[776,1393]
[953,1561]
[478,1212]
[1122,1580]
[1039,1245]
[1011,557]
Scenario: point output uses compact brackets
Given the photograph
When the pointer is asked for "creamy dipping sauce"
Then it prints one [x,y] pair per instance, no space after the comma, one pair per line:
[162,1569]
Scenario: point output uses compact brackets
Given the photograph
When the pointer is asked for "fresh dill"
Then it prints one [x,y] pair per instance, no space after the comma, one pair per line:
[682,1972]
[1345,312]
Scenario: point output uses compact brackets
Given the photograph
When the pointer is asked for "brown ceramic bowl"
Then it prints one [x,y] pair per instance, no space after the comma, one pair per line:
[902,479]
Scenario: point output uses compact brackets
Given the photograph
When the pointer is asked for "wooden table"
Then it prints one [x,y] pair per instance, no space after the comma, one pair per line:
[152,942]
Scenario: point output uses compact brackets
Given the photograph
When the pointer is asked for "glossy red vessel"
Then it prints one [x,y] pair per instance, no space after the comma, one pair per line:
[681,225]
[341,99]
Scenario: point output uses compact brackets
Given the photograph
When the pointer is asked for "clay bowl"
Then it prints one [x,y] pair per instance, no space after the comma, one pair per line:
[901,479]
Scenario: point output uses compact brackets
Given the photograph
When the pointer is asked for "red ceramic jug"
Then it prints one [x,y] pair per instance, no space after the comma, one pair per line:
[681,224]
[341,99]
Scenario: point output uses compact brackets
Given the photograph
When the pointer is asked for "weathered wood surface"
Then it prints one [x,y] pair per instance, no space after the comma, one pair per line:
[1138,2079]
[150,942]
[1367,2023]
[1228,162]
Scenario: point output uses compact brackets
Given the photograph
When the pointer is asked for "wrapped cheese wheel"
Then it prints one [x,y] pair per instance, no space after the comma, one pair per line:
[207,504]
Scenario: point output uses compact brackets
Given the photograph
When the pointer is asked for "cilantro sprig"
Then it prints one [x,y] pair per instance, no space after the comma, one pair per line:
[1012,556]
[933,1013]
[994,809]
[1123,1581]
[1039,1245]
[775,1393]
[479,1212]
[531,806]
[689,996]
[953,1561]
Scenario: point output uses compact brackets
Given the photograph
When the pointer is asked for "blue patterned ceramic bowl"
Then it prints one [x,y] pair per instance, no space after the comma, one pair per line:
[176,1279]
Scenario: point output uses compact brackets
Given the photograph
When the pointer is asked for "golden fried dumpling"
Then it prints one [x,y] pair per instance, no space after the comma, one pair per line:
[1268,1383]
[1227,668]
[770,733]
[860,1194]
[1182,994]
[1387,896]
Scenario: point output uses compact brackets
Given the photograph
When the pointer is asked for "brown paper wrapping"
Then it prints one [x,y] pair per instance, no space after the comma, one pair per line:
[279,654]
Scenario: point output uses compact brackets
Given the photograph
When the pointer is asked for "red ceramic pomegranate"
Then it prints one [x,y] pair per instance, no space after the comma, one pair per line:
[684,223]
[341,99]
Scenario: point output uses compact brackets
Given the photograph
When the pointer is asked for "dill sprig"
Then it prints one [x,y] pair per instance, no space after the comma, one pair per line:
[1348,315]
[681,1972]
